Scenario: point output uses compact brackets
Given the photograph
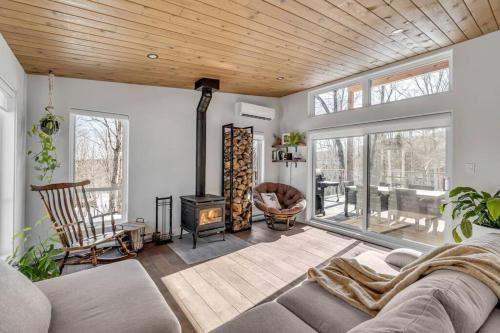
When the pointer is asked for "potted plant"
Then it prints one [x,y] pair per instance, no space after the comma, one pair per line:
[478,209]
[48,125]
[37,262]
[49,122]
[296,138]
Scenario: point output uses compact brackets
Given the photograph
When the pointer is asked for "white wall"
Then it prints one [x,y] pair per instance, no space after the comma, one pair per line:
[474,102]
[162,136]
[13,78]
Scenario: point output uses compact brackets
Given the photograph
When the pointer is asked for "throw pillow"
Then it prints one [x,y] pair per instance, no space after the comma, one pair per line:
[467,300]
[402,257]
[416,315]
[271,200]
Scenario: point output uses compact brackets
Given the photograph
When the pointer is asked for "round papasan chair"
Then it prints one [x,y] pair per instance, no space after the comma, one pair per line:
[291,200]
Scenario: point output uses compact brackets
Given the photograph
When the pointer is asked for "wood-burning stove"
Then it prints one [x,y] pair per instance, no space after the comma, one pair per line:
[202,214]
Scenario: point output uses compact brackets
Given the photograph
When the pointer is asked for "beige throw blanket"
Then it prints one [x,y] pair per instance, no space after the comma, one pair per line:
[368,291]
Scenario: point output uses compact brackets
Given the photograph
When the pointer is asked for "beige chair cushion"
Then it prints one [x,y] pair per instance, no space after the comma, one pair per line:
[23,307]
[417,315]
[119,297]
[467,301]
[323,311]
[266,318]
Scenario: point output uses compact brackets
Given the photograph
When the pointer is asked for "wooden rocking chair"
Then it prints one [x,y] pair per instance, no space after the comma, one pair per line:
[69,211]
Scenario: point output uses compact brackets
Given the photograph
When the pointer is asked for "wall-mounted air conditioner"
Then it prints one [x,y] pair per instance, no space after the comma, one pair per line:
[254,111]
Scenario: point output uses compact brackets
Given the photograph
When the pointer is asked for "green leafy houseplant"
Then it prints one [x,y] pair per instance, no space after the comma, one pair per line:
[46,159]
[37,261]
[480,208]
[296,138]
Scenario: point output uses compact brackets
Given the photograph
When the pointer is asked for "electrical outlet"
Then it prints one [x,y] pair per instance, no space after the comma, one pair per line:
[470,168]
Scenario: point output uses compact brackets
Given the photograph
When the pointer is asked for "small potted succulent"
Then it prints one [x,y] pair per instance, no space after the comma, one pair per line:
[479,211]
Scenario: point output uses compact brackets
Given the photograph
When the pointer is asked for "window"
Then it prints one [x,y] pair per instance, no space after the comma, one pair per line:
[424,80]
[407,163]
[339,99]
[100,155]
[258,159]
[7,170]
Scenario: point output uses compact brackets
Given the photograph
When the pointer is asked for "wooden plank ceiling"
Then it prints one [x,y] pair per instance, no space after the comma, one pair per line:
[261,47]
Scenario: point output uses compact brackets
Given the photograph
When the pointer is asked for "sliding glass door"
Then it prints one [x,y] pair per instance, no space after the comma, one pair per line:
[386,180]
[407,183]
[339,179]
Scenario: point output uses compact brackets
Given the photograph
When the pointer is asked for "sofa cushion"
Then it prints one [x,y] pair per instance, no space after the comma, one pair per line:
[417,315]
[119,297]
[467,301]
[23,307]
[402,257]
[268,317]
[377,262]
[492,324]
[321,310]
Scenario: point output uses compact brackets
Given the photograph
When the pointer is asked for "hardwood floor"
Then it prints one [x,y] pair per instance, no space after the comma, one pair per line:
[213,292]
[240,280]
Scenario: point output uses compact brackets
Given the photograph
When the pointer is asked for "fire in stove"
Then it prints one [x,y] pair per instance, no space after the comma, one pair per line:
[212,215]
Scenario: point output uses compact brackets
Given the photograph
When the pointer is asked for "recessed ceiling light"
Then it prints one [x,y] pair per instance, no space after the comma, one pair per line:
[279,78]
[397,31]
[152,56]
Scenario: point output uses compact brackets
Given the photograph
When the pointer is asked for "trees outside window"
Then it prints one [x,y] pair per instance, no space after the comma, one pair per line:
[426,80]
[99,155]
[336,100]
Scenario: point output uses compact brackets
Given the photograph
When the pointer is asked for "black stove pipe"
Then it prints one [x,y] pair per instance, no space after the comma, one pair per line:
[207,86]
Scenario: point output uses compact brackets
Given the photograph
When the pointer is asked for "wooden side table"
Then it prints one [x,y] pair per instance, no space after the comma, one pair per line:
[135,232]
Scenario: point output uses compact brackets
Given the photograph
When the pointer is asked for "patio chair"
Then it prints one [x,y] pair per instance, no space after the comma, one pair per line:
[69,211]
[376,202]
[406,204]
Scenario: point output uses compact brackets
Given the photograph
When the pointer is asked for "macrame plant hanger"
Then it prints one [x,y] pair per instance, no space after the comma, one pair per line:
[50,107]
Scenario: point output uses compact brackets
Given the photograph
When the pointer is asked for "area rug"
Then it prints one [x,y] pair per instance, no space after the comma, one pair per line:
[206,248]
[215,291]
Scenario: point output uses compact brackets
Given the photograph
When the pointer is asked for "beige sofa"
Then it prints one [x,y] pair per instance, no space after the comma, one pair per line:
[119,297]
[444,301]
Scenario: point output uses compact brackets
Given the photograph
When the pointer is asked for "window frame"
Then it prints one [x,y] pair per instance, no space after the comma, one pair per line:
[365,81]
[407,69]
[341,85]
[126,127]
[260,137]
[8,174]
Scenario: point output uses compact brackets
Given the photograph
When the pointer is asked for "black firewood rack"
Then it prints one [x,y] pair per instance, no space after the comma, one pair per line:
[227,179]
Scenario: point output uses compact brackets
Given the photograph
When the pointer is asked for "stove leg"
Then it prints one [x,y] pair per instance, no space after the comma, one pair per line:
[195,237]
[224,235]
[180,237]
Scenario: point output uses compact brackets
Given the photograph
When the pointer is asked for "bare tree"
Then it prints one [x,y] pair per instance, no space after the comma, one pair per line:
[103,164]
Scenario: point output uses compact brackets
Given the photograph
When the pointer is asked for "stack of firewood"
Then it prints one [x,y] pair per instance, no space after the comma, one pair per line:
[241,211]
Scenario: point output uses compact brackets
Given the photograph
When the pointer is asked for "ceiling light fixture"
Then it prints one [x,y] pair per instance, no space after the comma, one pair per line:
[397,31]
[152,56]
[279,78]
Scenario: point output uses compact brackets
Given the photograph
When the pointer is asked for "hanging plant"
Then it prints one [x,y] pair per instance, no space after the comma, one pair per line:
[48,126]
